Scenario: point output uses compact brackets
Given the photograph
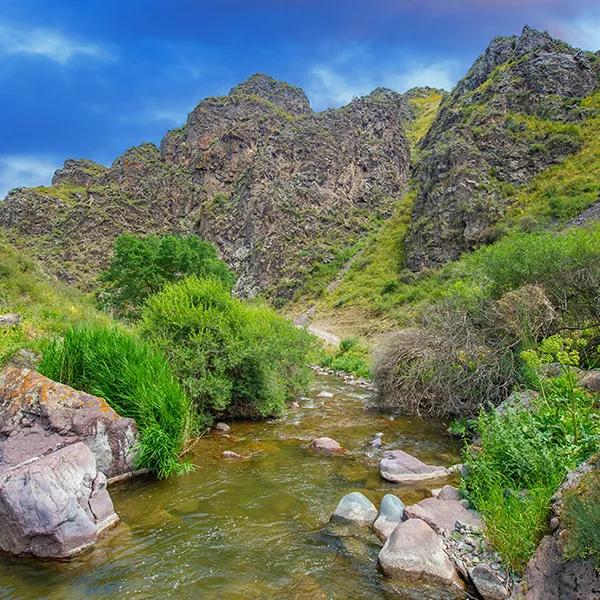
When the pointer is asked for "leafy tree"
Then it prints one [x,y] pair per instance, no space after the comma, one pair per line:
[142,266]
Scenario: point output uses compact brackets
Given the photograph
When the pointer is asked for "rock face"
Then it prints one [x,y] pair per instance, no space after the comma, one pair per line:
[400,467]
[495,131]
[442,515]
[414,553]
[54,506]
[39,416]
[391,514]
[355,509]
[276,186]
[326,444]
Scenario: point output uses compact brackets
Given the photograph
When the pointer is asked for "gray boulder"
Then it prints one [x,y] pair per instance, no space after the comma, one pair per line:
[39,416]
[448,492]
[442,515]
[487,583]
[591,381]
[414,554]
[400,467]
[54,506]
[355,509]
[391,513]
[10,320]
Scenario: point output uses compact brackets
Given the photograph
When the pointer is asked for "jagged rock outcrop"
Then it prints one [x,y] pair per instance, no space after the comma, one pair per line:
[277,187]
[495,131]
[39,416]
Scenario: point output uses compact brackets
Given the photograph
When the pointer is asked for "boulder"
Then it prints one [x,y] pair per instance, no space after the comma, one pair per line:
[448,492]
[10,320]
[591,381]
[442,515]
[326,444]
[39,416]
[355,509]
[391,513]
[222,428]
[400,467]
[54,506]
[487,583]
[518,400]
[414,553]
[25,359]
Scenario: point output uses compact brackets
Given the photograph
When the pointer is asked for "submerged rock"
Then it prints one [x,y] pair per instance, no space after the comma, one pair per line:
[414,554]
[231,454]
[355,509]
[442,515]
[54,506]
[324,394]
[326,444]
[39,416]
[400,467]
[391,513]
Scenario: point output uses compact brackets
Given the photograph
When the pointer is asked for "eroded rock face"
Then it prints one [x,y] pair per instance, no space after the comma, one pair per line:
[480,145]
[39,416]
[414,553]
[54,506]
[355,509]
[442,515]
[400,467]
[391,514]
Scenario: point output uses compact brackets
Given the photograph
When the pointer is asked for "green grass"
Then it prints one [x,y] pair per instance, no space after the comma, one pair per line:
[351,357]
[426,108]
[135,380]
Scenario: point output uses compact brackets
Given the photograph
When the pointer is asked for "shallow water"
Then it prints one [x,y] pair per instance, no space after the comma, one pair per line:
[251,528]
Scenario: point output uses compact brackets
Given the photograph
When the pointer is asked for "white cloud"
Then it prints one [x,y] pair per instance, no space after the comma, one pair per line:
[53,45]
[25,171]
[584,32]
[349,75]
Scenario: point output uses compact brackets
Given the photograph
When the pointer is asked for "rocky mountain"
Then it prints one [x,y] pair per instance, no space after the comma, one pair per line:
[506,120]
[276,186]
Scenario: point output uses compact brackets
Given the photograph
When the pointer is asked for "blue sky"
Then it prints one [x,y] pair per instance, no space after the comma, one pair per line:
[90,78]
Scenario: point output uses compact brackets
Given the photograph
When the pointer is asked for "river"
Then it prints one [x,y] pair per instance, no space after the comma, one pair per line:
[250,528]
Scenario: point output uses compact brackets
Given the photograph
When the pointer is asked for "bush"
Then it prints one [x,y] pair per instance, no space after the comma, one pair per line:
[135,380]
[350,357]
[142,266]
[464,349]
[522,457]
[232,357]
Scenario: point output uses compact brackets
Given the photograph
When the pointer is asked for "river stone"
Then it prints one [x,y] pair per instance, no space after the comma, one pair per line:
[391,513]
[222,427]
[326,444]
[448,492]
[414,553]
[400,467]
[356,509]
[442,515]
[487,583]
[10,320]
[230,454]
[324,394]
[39,416]
[54,506]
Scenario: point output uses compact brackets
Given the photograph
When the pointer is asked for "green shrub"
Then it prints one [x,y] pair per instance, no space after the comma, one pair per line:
[135,380]
[232,357]
[350,357]
[141,266]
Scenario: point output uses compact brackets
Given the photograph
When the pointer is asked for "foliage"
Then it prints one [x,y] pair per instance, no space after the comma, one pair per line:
[232,357]
[523,456]
[350,357]
[581,517]
[142,266]
[134,379]
[46,306]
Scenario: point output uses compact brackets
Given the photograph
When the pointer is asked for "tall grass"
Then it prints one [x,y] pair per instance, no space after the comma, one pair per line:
[134,379]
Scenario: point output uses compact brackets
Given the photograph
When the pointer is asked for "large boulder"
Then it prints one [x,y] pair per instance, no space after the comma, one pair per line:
[39,416]
[355,509]
[591,381]
[54,506]
[400,467]
[391,513]
[327,445]
[442,515]
[414,554]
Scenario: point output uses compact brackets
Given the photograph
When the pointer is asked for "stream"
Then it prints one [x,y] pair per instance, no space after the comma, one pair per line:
[250,528]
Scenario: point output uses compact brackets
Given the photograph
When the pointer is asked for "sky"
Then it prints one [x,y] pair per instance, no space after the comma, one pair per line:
[91,78]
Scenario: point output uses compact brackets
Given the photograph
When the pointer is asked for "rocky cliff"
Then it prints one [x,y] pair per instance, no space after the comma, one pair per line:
[513,115]
[276,186]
